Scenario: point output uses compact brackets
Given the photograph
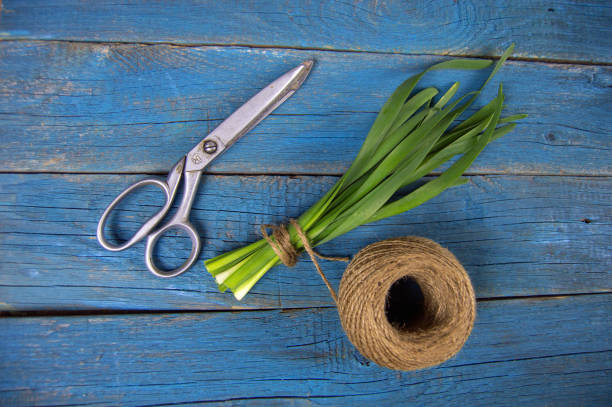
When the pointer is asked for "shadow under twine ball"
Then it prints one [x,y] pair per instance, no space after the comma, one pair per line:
[406,303]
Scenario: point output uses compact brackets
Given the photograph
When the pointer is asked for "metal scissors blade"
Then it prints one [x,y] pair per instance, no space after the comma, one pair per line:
[246,117]
[189,169]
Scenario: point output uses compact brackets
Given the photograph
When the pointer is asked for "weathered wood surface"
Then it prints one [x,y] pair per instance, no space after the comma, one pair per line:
[568,30]
[516,236]
[127,88]
[532,352]
[83,107]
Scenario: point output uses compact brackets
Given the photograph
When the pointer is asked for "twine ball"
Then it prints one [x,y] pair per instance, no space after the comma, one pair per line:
[443,322]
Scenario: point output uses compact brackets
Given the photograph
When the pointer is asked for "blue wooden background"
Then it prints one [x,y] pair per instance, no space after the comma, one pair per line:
[97,94]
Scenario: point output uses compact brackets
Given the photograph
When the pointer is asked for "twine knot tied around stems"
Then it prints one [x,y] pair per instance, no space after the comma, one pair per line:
[288,254]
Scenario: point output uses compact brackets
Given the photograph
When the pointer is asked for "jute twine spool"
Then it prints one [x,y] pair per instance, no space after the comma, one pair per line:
[446,315]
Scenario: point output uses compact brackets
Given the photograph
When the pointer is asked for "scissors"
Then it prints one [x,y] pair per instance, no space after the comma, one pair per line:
[190,167]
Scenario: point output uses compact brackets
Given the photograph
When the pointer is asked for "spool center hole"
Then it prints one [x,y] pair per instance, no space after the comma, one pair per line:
[405,304]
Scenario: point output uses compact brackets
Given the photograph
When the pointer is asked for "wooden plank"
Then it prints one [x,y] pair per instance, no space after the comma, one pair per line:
[571,30]
[69,107]
[516,236]
[536,352]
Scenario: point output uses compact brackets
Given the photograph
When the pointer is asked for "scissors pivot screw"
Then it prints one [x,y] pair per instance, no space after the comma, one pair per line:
[209,147]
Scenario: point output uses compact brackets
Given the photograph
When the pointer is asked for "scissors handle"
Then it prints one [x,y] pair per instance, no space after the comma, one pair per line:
[147,227]
[169,187]
[180,220]
[153,238]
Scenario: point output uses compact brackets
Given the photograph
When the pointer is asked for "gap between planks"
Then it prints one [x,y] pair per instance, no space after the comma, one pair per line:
[302,174]
[555,61]
[71,313]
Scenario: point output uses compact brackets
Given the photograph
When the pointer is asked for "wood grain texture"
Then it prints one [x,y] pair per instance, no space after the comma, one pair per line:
[569,30]
[67,107]
[107,88]
[532,352]
[516,236]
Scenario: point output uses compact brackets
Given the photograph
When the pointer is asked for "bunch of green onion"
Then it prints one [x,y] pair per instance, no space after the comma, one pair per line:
[409,138]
